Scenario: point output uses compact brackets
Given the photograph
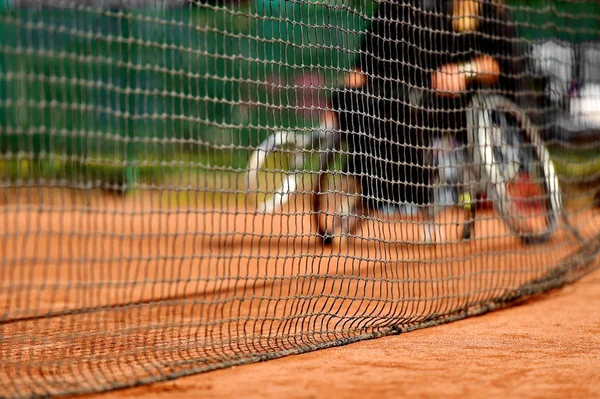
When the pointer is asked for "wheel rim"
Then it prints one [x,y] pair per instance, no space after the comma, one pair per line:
[274,170]
[525,186]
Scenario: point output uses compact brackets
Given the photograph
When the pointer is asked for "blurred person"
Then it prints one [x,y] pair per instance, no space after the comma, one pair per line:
[419,62]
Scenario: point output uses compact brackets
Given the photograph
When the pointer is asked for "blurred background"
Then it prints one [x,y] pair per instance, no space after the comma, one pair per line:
[144,95]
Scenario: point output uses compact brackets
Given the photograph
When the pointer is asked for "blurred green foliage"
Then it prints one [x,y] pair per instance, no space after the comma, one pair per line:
[117,96]
[571,20]
[98,87]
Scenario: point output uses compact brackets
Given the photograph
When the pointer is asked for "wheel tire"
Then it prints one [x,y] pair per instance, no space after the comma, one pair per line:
[284,142]
[478,134]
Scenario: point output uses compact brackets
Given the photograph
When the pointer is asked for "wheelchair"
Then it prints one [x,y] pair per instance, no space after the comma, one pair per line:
[504,159]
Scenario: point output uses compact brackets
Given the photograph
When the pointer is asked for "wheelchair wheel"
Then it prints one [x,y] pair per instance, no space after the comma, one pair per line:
[337,201]
[273,169]
[513,158]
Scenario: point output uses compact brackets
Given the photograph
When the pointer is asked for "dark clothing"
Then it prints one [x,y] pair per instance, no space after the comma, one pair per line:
[390,119]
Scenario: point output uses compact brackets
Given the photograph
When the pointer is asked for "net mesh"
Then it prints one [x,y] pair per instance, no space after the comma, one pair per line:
[188,186]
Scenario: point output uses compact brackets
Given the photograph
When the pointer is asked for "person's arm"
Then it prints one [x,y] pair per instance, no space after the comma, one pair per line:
[501,65]
[502,42]
[453,79]
[354,79]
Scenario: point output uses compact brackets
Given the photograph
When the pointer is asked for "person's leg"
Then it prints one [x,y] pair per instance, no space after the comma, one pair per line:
[387,153]
[346,120]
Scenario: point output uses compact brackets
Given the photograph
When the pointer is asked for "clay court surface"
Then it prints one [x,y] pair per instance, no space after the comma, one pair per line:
[153,276]
[546,348]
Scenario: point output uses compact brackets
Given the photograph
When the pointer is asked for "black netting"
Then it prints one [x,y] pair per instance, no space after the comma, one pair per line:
[187,185]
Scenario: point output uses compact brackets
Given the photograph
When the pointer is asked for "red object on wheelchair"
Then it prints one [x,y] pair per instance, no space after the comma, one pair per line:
[527,194]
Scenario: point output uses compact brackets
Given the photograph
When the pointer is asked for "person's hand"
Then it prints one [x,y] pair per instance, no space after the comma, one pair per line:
[354,79]
[448,80]
[452,79]
[487,69]
[328,120]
